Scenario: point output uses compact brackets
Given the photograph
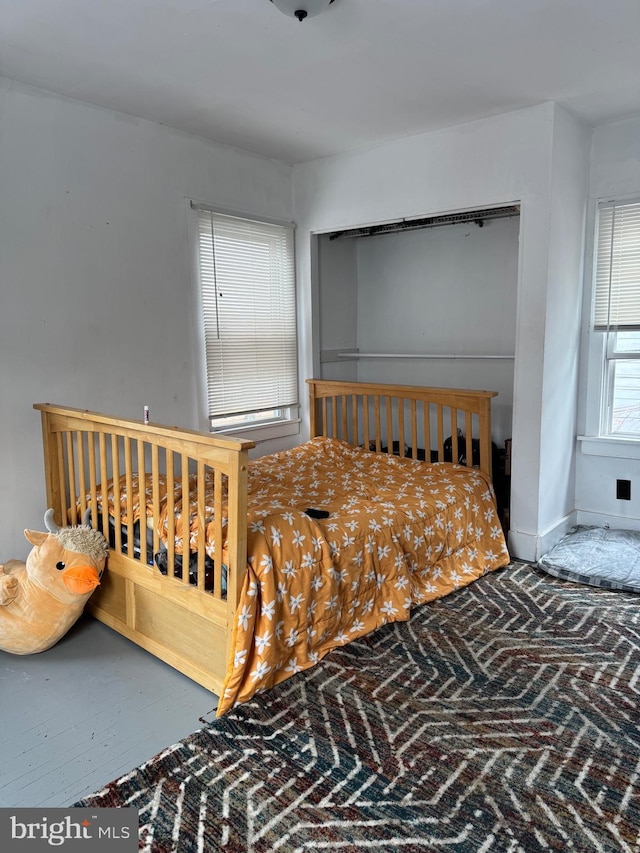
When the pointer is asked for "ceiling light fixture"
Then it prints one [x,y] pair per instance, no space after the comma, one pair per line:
[302,9]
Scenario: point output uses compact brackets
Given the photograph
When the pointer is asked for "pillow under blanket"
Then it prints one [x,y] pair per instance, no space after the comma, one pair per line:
[598,556]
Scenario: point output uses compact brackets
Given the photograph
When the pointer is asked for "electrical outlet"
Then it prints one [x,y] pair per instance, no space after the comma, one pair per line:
[623,490]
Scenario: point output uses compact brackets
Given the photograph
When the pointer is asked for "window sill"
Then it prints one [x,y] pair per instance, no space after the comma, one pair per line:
[262,432]
[600,445]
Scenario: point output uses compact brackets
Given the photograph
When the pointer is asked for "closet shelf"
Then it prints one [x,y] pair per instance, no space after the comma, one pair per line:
[354,355]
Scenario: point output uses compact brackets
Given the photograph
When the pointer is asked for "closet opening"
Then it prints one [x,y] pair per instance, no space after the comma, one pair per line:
[427,300]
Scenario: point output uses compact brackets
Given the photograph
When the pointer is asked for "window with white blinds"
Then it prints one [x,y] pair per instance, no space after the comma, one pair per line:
[247,282]
[617,293]
[617,315]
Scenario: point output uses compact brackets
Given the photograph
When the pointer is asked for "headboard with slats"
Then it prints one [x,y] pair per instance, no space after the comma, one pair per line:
[436,424]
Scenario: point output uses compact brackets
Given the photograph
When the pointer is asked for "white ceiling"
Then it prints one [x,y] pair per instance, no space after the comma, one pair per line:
[361,73]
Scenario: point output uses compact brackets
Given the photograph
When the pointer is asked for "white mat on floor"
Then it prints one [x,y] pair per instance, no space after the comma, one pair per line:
[598,556]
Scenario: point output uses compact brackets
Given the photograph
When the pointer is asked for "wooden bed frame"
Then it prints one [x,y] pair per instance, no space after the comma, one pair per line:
[185,624]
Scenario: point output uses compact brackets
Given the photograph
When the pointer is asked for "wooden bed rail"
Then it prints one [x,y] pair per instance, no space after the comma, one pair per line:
[90,457]
[404,419]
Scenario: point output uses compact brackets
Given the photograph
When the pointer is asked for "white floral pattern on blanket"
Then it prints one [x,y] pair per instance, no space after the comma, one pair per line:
[399,533]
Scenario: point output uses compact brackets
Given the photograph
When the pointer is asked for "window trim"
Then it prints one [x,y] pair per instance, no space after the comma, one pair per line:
[611,446]
[264,431]
[611,357]
[606,295]
[257,431]
[595,398]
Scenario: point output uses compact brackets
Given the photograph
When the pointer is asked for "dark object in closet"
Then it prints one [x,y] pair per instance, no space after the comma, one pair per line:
[462,450]
[385,449]
[501,481]
[421,454]
[501,485]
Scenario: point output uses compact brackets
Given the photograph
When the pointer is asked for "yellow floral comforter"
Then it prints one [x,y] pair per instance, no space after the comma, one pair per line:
[399,533]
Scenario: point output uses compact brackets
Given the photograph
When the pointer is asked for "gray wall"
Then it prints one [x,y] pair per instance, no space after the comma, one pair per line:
[447,290]
[97,306]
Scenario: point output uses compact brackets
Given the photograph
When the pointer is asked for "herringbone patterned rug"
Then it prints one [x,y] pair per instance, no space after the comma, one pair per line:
[504,717]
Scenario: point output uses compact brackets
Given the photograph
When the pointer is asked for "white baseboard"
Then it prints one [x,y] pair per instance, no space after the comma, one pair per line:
[531,546]
[601,519]
[522,546]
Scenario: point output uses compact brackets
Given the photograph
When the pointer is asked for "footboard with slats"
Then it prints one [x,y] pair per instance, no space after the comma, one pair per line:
[179,617]
[186,618]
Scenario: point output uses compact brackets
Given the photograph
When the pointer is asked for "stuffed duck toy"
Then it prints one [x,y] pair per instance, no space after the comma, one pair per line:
[42,598]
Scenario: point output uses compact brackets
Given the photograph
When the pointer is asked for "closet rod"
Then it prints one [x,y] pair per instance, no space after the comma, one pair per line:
[416,355]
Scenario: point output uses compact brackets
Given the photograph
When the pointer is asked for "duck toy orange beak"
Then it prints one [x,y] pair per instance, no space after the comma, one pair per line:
[81,579]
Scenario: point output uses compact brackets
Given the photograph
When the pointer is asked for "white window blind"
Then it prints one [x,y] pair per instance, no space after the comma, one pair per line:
[247,280]
[617,286]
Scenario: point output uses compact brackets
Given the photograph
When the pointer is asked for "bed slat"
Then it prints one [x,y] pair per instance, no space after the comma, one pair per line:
[115,456]
[171,521]
[142,492]
[128,463]
[217,530]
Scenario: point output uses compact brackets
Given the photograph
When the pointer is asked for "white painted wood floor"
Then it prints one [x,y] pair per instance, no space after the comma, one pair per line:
[87,711]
